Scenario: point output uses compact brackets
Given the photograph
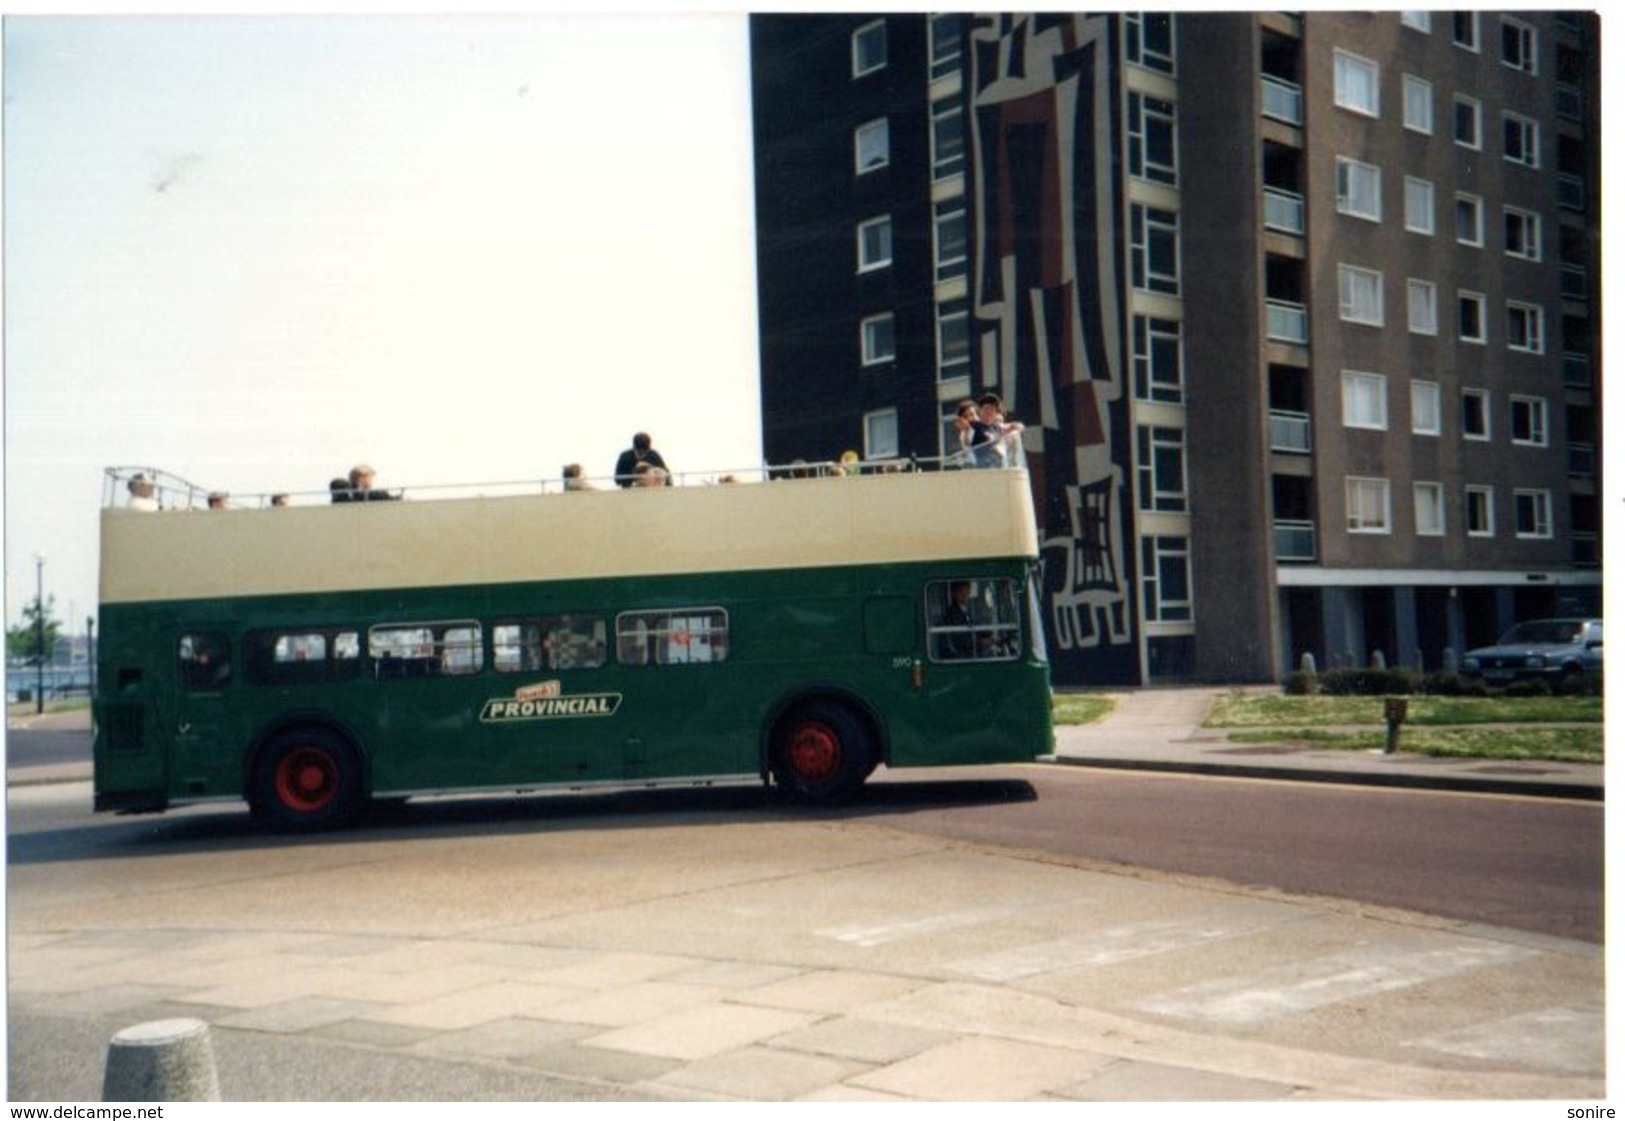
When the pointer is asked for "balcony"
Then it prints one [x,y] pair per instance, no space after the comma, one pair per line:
[1571,192]
[1283,211]
[1576,370]
[1289,432]
[1574,282]
[1570,102]
[1294,540]
[1283,101]
[1287,322]
[1582,461]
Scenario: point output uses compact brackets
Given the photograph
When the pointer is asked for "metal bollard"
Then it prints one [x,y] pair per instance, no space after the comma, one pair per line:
[161,1061]
[1395,710]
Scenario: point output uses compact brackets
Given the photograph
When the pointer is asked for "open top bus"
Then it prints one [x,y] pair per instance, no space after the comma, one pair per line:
[310,657]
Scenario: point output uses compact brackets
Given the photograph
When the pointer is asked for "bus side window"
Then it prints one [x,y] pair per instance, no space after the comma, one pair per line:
[426,649]
[204,661]
[972,620]
[686,636]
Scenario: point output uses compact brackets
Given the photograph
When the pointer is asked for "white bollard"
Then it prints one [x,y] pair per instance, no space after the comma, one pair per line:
[161,1061]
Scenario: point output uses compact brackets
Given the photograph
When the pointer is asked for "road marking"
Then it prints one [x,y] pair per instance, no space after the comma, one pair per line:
[1316,982]
[898,931]
[1561,1038]
[1102,948]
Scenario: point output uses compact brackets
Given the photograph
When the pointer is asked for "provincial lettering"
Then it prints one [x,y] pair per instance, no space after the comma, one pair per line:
[499,709]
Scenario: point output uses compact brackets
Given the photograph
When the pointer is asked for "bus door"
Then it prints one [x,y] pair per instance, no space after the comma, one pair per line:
[206,757]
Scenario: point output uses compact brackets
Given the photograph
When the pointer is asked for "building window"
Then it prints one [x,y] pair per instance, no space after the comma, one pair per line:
[1151,151]
[1359,294]
[1523,234]
[1526,327]
[1158,365]
[869,48]
[951,239]
[1359,189]
[880,434]
[1480,503]
[1532,513]
[1418,104]
[1419,206]
[1355,83]
[1427,411]
[1469,122]
[1470,317]
[1422,302]
[1529,421]
[1165,579]
[1464,30]
[872,145]
[1148,40]
[1154,249]
[1522,139]
[1162,469]
[1367,505]
[1475,414]
[1365,400]
[945,45]
[1429,498]
[874,243]
[953,340]
[1417,21]
[1519,46]
[1469,219]
[947,138]
[879,335]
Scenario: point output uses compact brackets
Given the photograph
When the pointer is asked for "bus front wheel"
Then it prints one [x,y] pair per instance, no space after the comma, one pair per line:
[822,752]
[306,779]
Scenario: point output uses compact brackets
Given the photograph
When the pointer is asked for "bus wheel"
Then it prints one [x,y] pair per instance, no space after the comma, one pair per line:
[822,752]
[307,779]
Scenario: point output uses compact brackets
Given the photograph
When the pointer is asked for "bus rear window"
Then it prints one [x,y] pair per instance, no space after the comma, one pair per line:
[972,620]
[549,642]
[667,638]
[425,649]
[287,657]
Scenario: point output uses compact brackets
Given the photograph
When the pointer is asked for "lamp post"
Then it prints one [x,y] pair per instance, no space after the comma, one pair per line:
[39,623]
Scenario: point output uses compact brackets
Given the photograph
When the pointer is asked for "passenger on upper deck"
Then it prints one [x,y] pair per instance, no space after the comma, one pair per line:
[361,488]
[219,500]
[574,477]
[641,451]
[143,494]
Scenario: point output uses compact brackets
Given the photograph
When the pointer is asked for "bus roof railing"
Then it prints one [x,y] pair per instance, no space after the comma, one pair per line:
[175,493]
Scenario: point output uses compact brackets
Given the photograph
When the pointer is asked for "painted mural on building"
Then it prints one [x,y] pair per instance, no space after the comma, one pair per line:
[1046,306]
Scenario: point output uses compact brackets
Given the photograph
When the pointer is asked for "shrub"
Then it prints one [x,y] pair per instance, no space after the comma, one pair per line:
[1527,687]
[1366,683]
[1440,684]
[1300,684]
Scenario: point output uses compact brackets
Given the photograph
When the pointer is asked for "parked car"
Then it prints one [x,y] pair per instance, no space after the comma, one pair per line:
[1559,651]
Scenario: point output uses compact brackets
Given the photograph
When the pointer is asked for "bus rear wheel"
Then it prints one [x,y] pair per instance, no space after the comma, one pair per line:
[307,778]
[822,752]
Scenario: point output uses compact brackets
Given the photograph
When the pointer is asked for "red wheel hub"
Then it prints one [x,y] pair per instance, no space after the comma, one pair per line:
[307,778]
[813,751]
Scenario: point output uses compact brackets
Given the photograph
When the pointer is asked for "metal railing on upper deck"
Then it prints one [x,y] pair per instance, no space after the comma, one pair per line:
[163,490]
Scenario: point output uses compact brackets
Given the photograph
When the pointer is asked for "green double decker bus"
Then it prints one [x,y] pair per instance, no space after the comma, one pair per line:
[802,631]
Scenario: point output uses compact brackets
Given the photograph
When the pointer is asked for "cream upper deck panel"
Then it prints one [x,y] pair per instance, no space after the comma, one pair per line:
[797,523]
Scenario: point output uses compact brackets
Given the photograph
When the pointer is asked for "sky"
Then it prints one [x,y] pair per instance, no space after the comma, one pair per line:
[253,251]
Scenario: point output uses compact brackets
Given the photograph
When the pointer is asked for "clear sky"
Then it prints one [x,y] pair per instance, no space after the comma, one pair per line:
[254,251]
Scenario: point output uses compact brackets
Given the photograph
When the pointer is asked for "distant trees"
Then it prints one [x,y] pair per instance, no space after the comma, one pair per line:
[23,641]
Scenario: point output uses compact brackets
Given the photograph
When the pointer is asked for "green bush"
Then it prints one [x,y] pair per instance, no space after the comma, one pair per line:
[1366,683]
[1300,684]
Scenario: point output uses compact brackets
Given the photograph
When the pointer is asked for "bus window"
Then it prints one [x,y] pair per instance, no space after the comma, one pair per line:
[549,642]
[275,657]
[683,637]
[205,661]
[425,649]
[972,620]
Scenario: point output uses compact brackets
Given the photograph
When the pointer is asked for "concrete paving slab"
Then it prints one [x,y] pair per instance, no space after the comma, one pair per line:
[983,1069]
[1128,1080]
[699,1033]
[830,990]
[760,1074]
[466,1007]
[300,1015]
[512,1038]
[629,1004]
[869,1041]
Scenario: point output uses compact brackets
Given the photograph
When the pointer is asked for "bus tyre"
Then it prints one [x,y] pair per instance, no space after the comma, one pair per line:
[822,752]
[307,778]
